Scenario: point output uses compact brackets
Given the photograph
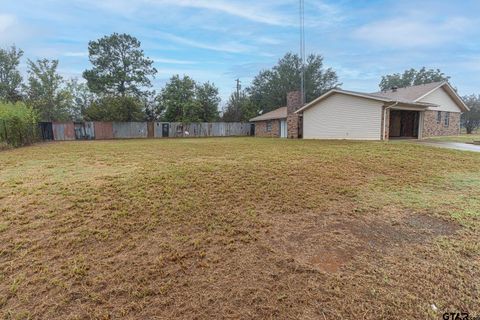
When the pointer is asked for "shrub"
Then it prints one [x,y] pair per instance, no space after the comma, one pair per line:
[18,124]
[115,109]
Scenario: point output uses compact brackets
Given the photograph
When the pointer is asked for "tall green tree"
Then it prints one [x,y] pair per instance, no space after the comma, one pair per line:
[150,106]
[471,119]
[270,87]
[120,67]
[176,100]
[10,78]
[46,92]
[412,77]
[207,96]
[183,100]
[80,98]
[239,108]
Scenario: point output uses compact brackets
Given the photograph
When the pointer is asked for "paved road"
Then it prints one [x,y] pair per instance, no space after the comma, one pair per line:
[452,145]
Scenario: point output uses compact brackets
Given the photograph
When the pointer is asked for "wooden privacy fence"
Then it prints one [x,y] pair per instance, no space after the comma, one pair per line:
[204,129]
[134,130]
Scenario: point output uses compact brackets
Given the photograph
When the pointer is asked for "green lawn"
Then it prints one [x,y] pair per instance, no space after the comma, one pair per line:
[238,228]
[467,138]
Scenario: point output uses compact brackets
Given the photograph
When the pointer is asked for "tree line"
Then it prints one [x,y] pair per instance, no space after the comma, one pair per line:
[118,87]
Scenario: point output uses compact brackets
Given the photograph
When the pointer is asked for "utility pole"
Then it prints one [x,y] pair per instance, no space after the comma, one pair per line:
[239,87]
[237,98]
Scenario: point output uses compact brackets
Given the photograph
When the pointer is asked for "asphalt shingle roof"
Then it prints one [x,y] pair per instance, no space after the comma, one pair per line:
[279,113]
[409,93]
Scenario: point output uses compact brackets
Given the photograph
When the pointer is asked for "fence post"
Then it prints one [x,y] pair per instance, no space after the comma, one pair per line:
[22,142]
[5,127]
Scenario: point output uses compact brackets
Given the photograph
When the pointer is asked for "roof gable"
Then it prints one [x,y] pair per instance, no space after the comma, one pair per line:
[446,98]
[445,89]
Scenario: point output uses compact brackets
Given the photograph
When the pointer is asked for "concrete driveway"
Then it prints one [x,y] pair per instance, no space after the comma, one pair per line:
[452,145]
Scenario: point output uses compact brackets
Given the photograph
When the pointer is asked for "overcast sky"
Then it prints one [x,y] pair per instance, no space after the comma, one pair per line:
[220,40]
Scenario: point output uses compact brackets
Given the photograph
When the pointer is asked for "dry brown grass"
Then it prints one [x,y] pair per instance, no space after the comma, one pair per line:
[238,228]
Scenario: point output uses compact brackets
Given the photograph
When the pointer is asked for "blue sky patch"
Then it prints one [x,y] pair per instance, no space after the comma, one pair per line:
[220,40]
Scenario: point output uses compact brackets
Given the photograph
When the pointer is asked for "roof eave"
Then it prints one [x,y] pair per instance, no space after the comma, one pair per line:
[266,119]
[411,106]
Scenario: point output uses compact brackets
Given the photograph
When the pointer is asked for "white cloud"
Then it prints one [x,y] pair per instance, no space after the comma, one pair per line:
[256,11]
[411,31]
[6,22]
[267,40]
[13,31]
[274,12]
[253,11]
[230,46]
[123,7]
[353,73]
[322,14]
[467,62]
[76,54]
[173,61]
[9,29]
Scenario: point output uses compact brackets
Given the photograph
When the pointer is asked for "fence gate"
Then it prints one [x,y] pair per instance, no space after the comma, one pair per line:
[46,130]
[165,130]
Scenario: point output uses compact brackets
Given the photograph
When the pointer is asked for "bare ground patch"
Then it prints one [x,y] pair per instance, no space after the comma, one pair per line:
[329,241]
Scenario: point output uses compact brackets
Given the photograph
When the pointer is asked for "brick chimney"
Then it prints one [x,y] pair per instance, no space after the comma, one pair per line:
[294,102]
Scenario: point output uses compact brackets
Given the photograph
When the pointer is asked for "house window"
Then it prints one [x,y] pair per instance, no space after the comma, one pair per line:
[439,117]
[269,126]
[447,119]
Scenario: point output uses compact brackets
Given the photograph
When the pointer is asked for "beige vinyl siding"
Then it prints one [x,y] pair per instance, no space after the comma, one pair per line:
[441,97]
[343,117]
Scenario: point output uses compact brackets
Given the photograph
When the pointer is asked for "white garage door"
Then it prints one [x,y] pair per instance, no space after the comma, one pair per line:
[342,116]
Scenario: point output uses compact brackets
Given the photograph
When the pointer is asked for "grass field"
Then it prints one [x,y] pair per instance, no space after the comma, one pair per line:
[467,138]
[238,228]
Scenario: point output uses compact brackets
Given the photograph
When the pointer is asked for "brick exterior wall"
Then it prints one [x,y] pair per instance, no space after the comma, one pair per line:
[293,123]
[386,119]
[431,128]
[294,102]
[261,129]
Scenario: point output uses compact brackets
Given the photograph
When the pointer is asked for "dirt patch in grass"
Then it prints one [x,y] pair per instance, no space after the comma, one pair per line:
[328,242]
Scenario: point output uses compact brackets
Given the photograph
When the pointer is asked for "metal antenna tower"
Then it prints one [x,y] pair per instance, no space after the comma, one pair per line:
[302,50]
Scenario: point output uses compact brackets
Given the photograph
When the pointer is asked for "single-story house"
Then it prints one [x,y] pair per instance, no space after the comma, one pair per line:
[282,122]
[416,112]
